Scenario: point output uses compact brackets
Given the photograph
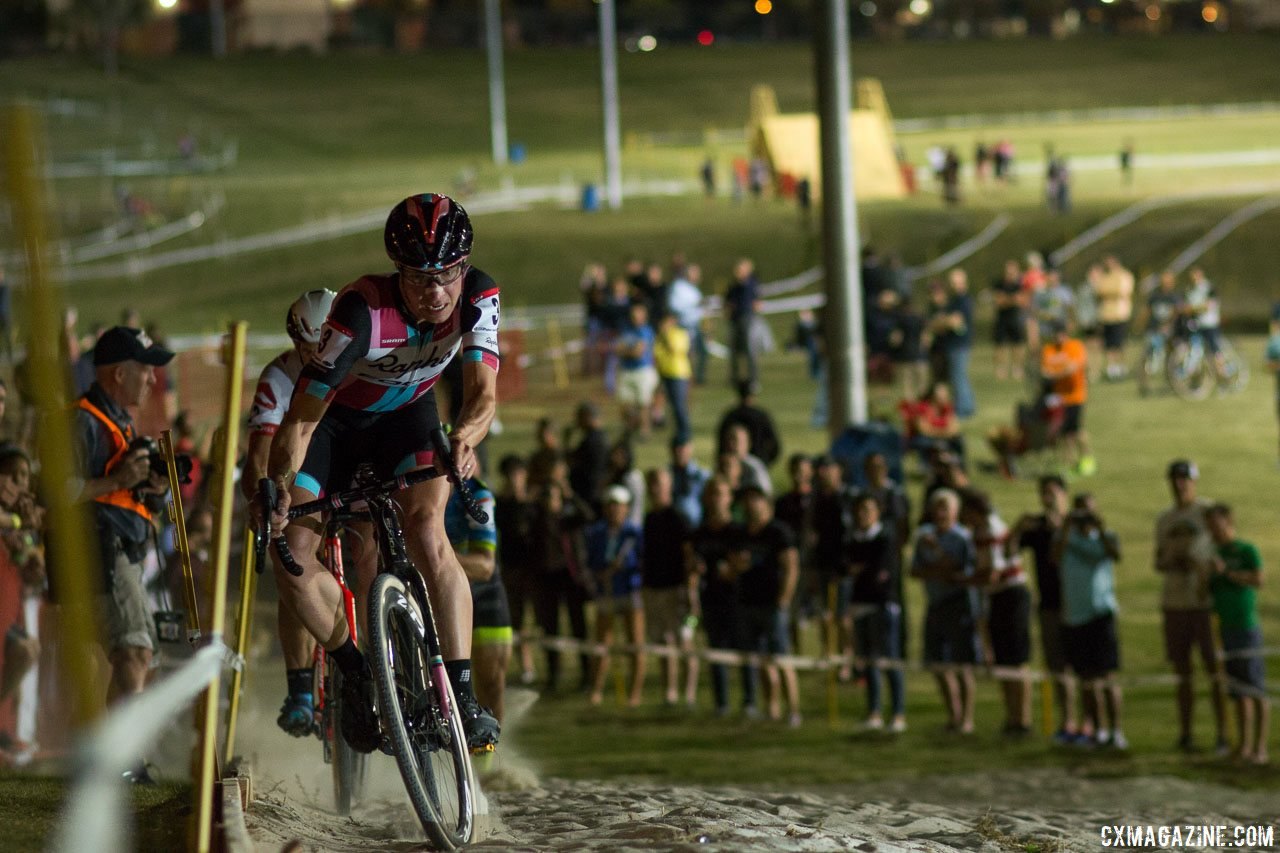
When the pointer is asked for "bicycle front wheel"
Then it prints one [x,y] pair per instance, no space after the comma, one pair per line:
[420,715]
[348,765]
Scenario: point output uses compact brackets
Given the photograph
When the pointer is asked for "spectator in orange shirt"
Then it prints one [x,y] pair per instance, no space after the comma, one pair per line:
[1063,362]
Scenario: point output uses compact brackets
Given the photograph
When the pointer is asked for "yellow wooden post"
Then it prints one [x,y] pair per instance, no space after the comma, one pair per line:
[179,518]
[244,625]
[559,363]
[224,498]
[77,570]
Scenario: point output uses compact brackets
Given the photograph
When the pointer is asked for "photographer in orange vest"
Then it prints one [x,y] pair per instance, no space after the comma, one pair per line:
[122,470]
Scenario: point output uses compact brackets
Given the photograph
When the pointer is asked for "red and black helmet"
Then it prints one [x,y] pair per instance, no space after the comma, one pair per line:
[428,232]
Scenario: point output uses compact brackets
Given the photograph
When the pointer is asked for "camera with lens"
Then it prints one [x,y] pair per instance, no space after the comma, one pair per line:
[156,460]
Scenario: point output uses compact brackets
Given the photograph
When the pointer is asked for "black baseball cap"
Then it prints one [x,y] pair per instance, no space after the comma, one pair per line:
[1183,468]
[120,343]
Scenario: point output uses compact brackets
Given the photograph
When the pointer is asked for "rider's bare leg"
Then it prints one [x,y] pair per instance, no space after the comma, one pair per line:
[296,643]
[315,597]
[429,547]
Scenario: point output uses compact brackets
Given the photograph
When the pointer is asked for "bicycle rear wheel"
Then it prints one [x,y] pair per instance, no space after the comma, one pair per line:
[420,715]
[348,765]
[1235,371]
[1189,373]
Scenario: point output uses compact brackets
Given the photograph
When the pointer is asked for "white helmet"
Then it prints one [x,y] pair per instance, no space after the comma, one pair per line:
[307,315]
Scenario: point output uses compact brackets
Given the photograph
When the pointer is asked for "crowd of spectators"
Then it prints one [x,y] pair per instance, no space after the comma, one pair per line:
[119,381]
[711,552]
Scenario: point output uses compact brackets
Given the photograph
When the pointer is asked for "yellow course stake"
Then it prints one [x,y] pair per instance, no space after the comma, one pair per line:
[221,555]
[244,625]
[76,572]
[178,515]
[559,364]
[1046,705]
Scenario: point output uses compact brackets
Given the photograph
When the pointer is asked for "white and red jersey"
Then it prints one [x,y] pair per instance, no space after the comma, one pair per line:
[275,388]
[373,357]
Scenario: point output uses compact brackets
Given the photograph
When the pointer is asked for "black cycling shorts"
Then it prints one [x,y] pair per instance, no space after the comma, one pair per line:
[393,442]
[489,599]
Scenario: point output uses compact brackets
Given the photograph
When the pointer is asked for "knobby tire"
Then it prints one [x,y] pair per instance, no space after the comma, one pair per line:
[430,750]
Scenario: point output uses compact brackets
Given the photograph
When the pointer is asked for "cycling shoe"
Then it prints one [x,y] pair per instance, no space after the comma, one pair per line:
[298,715]
[359,719]
[481,728]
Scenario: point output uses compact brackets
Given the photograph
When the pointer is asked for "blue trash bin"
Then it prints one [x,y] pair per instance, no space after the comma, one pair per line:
[517,153]
[590,197]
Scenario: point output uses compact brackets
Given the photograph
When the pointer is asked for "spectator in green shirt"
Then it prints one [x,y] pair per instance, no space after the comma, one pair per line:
[1236,578]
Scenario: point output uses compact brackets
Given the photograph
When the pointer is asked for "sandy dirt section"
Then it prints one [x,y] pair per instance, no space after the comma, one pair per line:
[1034,811]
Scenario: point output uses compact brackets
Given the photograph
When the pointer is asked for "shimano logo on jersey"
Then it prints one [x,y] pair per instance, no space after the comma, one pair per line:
[333,341]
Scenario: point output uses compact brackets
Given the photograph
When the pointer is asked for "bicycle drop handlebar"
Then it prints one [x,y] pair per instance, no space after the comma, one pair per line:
[269,497]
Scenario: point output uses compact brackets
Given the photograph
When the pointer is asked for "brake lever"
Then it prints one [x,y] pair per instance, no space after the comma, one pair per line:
[269,496]
[469,502]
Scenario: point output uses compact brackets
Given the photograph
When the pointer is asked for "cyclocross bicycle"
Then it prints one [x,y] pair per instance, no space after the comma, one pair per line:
[419,715]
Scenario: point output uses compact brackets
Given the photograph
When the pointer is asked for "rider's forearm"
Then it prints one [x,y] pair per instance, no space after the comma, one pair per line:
[255,463]
[289,448]
[479,405]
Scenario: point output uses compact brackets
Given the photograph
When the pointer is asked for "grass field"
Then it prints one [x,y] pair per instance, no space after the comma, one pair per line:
[320,138]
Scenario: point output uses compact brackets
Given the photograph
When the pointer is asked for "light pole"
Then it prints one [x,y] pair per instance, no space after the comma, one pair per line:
[497,87]
[609,85]
[846,360]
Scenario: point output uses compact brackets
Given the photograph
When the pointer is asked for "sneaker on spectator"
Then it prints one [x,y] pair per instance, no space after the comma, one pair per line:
[139,775]
[1062,737]
[1119,742]
[751,712]
[873,723]
[898,724]
[297,715]
[794,720]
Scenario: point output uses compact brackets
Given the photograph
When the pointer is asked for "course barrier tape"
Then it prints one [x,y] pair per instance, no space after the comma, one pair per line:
[1090,115]
[1213,237]
[823,663]
[99,796]
[498,201]
[1137,210]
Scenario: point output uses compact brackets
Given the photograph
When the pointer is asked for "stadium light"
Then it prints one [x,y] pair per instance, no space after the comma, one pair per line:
[764,7]
[166,4]
[867,8]
[920,7]
[647,43]
[1210,13]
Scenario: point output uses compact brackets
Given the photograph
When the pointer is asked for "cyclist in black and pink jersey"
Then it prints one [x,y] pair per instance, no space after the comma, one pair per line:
[275,387]
[366,397]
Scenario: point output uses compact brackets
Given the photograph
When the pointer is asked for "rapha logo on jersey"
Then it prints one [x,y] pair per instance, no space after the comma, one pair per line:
[333,342]
[391,365]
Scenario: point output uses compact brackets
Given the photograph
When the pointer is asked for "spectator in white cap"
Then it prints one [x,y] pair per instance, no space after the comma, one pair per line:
[614,554]
[1185,558]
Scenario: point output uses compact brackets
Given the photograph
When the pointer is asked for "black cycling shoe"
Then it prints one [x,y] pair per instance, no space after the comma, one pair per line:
[481,727]
[359,719]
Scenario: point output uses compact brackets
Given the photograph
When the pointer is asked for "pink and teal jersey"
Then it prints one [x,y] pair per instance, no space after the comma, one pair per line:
[374,358]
